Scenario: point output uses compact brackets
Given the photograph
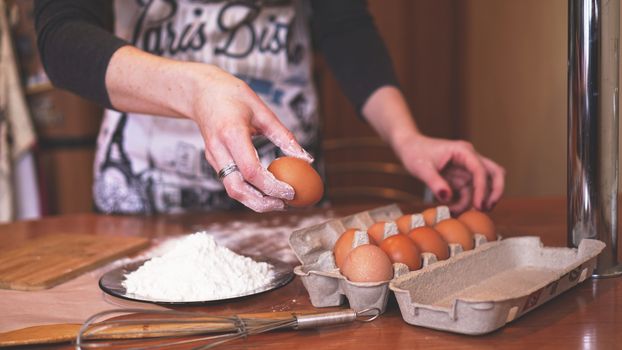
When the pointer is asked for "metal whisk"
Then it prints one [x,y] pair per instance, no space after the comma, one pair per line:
[152,329]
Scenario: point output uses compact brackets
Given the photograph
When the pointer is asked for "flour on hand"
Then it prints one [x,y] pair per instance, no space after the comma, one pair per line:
[198,269]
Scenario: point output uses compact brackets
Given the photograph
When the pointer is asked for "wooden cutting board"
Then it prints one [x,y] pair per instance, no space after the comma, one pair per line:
[47,261]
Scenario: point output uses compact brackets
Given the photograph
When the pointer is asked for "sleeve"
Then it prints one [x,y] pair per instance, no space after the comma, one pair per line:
[345,33]
[75,45]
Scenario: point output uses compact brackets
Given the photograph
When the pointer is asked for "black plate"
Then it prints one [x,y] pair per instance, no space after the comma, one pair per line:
[111,283]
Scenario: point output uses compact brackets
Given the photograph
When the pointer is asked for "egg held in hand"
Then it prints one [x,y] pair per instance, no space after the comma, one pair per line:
[454,231]
[429,240]
[401,249]
[299,174]
[367,263]
[479,222]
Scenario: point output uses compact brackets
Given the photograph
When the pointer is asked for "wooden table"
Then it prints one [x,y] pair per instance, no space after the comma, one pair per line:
[586,317]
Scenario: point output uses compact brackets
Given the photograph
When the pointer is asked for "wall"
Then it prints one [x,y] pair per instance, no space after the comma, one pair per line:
[420,37]
[513,89]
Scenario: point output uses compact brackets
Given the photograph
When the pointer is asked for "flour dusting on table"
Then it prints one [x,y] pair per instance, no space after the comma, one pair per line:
[267,237]
[197,269]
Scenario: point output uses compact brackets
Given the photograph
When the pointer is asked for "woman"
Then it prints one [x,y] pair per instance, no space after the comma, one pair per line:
[190,82]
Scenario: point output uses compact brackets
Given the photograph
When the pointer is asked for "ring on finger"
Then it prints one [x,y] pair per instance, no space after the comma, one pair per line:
[227,170]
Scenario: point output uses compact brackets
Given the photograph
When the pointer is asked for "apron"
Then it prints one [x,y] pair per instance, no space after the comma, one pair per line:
[152,164]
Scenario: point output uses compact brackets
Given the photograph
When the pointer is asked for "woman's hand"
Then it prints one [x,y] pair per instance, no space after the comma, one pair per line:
[226,110]
[454,171]
[228,113]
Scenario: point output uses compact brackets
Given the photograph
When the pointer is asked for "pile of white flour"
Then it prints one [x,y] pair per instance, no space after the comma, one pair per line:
[197,269]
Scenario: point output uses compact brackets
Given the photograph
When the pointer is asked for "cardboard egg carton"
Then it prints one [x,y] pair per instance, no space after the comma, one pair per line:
[481,290]
[472,292]
[326,285]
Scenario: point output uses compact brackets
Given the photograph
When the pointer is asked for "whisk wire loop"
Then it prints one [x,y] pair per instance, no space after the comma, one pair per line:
[241,325]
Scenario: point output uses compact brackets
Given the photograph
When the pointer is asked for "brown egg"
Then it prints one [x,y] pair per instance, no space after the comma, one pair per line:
[429,215]
[428,240]
[479,222]
[376,232]
[299,174]
[454,231]
[400,249]
[367,263]
[343,246]
[404,222]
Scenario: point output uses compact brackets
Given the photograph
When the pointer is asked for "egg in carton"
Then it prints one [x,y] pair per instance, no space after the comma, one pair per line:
[442,213]
[320,275]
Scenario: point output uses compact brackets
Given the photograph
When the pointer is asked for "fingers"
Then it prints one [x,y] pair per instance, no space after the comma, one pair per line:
[471,161]
[460,181]
[244,193]
[488,178]
[238,189]
[271,127]
[497,178]
[241,148]
[456,176]
[441,189]
[464,200]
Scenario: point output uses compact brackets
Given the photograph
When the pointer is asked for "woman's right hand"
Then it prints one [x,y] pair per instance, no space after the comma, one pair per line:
[226,110]
[228,113]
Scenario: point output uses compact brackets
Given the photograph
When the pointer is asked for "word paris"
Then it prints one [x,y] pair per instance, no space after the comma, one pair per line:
[159,30]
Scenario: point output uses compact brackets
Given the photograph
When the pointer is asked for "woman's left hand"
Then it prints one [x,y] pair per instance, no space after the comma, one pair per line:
[455,172]
[457,175]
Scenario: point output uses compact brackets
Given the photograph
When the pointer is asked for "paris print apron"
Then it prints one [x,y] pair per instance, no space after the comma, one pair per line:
[152,164]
